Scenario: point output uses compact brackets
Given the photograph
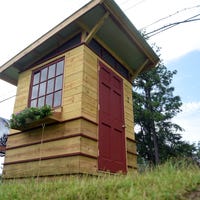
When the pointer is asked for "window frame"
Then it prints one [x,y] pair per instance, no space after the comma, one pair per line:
[32,84]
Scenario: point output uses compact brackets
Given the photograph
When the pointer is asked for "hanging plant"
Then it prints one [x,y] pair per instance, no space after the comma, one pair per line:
[28,115]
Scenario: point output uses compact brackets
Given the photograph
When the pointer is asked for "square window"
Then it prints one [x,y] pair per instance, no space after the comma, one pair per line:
[47,84]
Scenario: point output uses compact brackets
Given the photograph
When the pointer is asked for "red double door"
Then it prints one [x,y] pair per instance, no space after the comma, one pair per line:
[112,152]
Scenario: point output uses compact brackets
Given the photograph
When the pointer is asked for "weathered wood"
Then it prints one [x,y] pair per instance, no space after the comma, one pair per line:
[75,134]
[66,165]
[60,147]
[131,146]
[54,148]
[132,160]
[88,165]
[88,146]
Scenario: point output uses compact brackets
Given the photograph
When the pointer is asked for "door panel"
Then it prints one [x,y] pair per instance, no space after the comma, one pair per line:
[112,152]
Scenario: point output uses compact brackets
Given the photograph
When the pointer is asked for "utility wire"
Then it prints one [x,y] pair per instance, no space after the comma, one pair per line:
[7,99]
[163,28]
[124,2]
[177,23]
[171,15]
[134,5]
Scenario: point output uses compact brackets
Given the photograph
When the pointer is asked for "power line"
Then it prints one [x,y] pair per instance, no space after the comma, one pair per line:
[134,5]
[7,99]
[171,15]
[124,2]
[166,27]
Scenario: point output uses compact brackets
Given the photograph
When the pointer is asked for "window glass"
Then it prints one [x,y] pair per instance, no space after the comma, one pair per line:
[43,75]
[60,66]
[58,84]
[51,71]
[49,99]
[50,86]
[57,99]
[42,89]
[47,84]
[34,92]
[36,78]
[34,103]
[41,102]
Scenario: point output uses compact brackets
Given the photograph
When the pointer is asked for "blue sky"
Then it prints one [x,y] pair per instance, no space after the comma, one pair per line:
[187,86]
[25,21]
[186,80]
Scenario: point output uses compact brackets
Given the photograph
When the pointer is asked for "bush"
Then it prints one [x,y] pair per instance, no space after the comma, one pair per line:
[27,115]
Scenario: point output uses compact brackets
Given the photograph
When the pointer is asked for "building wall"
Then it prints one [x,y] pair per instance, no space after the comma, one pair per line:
[91,95]
[72,145]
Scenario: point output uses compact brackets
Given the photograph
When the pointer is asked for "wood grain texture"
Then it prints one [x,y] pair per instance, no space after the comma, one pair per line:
[52,132]
[131,160]
[80,99]
[90,86]
[54,148]
[58,166]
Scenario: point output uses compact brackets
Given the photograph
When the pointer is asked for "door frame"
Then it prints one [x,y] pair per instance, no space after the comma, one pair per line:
[123,143]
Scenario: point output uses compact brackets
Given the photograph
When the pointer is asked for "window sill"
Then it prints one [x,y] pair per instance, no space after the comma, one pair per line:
[55,117]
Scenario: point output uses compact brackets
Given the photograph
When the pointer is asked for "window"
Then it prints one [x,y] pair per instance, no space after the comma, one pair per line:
[47,84]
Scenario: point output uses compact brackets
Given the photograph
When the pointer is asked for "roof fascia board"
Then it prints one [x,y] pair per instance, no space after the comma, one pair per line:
[50,33]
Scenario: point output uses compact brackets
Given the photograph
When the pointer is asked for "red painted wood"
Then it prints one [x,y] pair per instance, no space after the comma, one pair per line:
[112,152]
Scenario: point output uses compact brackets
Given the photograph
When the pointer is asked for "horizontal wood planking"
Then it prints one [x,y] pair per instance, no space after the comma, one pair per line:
[88,165]
[131,160]
[69,128]
[73,77]
[80,98]
[128,108]
[131,146]
[90,62]
[90,86]
[21,100]
[73,80]
[57,166]
[52,167]
[52,149]
[88,146]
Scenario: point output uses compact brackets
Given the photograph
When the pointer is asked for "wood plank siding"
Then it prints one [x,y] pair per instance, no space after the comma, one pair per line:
[69,146]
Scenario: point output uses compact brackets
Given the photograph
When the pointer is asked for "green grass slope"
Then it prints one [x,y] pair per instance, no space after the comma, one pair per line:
[165,182]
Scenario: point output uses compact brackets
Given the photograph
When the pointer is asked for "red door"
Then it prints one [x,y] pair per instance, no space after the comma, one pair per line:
[112,152]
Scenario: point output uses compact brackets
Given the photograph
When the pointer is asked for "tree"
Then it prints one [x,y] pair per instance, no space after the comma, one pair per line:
[154,107]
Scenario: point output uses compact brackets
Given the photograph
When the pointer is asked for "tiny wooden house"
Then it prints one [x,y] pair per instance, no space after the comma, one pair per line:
[83,69]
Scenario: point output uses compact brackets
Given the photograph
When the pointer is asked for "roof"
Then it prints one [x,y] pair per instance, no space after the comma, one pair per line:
[105,22]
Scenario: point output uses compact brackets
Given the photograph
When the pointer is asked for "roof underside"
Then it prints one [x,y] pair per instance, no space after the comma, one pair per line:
[116,32]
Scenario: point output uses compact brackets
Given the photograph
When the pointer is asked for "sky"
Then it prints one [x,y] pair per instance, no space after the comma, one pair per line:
[22,22]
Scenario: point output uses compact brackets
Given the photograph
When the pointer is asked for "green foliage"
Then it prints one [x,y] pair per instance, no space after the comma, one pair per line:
[167,182]
[155,106]
[29,114]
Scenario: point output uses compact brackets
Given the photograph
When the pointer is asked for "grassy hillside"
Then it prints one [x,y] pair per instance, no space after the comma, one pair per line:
[169,181]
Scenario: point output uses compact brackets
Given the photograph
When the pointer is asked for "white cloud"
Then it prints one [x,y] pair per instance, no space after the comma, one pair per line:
[6,103]
[175,42]
[189,119]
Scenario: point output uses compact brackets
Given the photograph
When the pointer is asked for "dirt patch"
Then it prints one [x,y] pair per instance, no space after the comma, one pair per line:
[194,195]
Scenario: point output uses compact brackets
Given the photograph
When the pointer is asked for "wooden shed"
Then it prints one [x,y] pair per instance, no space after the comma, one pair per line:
[83,69]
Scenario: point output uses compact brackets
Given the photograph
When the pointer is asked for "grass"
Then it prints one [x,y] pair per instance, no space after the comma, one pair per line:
[166,182]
